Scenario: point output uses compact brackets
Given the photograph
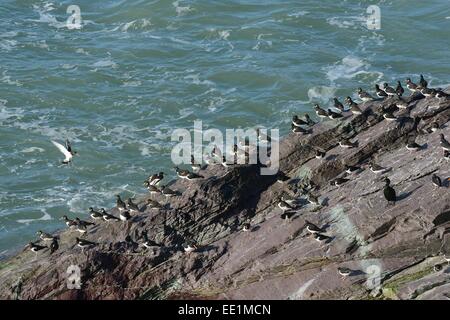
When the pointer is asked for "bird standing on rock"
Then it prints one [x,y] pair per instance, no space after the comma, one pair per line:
[411,85]
[152,188]
[364,96]
[444,143]
[389,90]
[399,90]
[154,179]
[120,204]
[108,217]
[45,236]
[54,246]
[338,105]
[380,93]
[95,214]
[132,207]
[422,82]
[69,223]
[354,108]
[321,113]
[389,192]
[436,180]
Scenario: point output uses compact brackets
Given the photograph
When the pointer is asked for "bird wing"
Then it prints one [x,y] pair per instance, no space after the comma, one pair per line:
[63,150]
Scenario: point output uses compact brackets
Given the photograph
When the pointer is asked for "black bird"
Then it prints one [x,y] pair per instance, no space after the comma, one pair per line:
[380,93]
[363,95]
[296,121]
[422,82]
[389,192]
[54,246]
[334,115]
[400,91]
[132,207]
[108,217]
[321,113]
[309,120]
[411,85]
[120,204]
[446,155]
[338,105]
[436,180]
[389,90]
[300,130]
[193,175]
[95,214]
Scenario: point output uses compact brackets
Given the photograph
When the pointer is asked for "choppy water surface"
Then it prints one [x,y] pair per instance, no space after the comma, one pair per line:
[136,70]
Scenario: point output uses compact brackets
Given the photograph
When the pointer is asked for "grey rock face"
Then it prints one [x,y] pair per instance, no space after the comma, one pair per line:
[391,250]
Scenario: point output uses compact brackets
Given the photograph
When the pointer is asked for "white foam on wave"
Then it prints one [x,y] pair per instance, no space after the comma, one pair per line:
[260,42]
[7,80]
[321,93]
[353,22]
[298,14]
[32,150]
[8,45]
[350,67]
[138,24]
[195,79]
[181,10]
[105,63]
[45,217]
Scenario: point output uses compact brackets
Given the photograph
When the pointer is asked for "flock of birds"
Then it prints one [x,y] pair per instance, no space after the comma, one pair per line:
[286,202]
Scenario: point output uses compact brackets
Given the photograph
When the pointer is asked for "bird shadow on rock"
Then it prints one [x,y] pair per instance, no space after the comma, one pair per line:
[405,195]
[325,201]
[331,157]
[255,228]
[207,248]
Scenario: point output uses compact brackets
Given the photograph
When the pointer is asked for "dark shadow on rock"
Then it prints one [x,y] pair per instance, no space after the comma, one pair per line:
[405,195]
[255,228]
[331,157]
[207,248]
[325,202]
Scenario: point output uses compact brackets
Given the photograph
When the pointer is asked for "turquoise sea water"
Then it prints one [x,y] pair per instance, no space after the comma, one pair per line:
[137,69]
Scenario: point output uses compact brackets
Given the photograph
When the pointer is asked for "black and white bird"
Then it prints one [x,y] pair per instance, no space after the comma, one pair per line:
[375,168]
[151,188]
[344,272]
[339,181]
[65,150]
[338,105]
[436,180]
[345,143]
[131,206]
[182,173]
[312,228]
[96,215]
[441,95]
[399,90]
[401,104]
[322,238]
[321,113]
[300,130]
[246,227]
[428,93]
[194,165]
[444,143]
[156,178]
[69,222]
[81,229]
[168,192]
[108,217]
[364,96]
[189,247]
[389,90]
[45,236]
[389,116]
[380,93]
[152,204]
[422,82]
[54,246]
[82,243]
[282,177]
[320,154]
[120,204]
[35,247]
[354,108]
[83,223]
[334,115]
[446,155]
[296,121]
[193,176]
[411,85]
[283,205]
[124,215]
[308,120]
[287,215]
[389,193]
[351,169]
[412,145]
[312,199]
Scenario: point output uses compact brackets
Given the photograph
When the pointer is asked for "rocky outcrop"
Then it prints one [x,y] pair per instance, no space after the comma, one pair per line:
[394,251]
